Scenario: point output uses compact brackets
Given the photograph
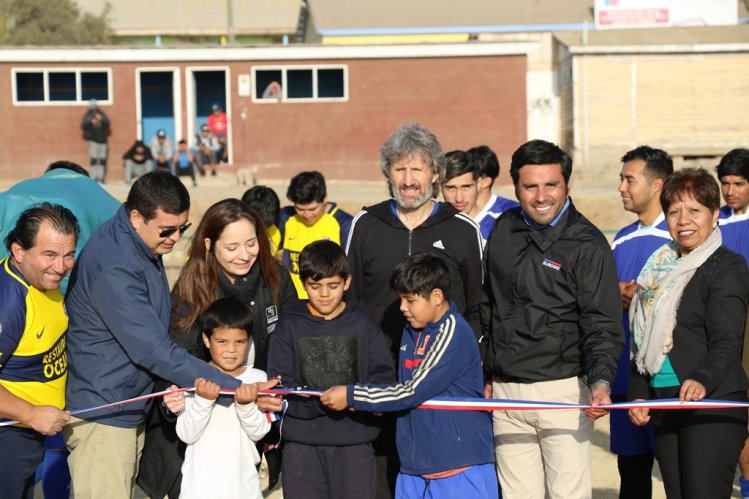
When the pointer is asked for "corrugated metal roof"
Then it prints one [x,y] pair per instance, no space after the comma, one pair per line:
[378,17]
[366,16]
[197,17]
[658,39]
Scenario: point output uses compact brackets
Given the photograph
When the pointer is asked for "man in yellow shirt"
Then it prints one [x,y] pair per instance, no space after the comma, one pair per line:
[312,218]
[33,322]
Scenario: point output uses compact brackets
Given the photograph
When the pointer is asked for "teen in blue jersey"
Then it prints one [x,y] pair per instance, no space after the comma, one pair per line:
[733,173]
[643,172]
[468,187]
[442,453]
[490,206]
[33,357]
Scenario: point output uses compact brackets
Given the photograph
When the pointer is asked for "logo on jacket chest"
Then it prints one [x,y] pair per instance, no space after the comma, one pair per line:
[421,348]
[552,264]
[271,314]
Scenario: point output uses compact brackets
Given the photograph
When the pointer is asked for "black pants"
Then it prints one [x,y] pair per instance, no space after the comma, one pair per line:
[636,476]
[386,457]
[698,450]
[328,472]
[21,452]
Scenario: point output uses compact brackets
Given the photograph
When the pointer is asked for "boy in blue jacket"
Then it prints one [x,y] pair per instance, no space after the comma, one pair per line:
[443,453]
[319,343]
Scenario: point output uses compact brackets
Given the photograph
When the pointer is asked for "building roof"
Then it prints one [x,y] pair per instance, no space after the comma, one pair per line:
[397,17]
[658,40]
[294,52]
[197,17]
[387,17]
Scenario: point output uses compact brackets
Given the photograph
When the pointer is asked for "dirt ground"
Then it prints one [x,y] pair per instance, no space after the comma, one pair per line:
[597,199]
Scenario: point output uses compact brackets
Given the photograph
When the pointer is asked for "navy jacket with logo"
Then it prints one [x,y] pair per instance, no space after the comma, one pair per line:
[379,240]
[441,360]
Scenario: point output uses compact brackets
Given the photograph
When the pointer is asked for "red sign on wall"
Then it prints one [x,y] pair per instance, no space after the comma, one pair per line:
[633,16]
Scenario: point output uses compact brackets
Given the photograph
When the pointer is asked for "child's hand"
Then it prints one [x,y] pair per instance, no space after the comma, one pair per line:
[246,393]
[270,402]
[206,389]
[174,402]
[335,398]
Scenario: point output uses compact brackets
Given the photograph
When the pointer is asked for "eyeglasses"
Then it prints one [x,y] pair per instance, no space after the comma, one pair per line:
[171,230]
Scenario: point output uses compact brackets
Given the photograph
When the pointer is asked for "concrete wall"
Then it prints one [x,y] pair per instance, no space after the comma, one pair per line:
[692,105]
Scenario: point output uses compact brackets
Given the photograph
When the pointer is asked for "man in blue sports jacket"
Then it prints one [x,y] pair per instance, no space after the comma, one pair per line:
[119,306]
[643,172]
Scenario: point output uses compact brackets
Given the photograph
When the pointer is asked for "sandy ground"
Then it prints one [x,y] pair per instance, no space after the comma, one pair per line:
[598,199]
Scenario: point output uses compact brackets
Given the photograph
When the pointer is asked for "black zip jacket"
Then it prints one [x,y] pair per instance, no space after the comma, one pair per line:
[709,329]
[309,351]
[550,307]
[379,240]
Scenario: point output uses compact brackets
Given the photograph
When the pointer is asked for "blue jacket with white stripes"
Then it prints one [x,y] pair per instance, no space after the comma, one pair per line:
[441,360]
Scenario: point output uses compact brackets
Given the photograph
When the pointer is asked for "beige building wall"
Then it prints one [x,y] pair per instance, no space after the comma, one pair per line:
[692,105]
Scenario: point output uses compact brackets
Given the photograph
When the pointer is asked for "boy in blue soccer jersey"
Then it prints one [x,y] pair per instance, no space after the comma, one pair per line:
[443,453]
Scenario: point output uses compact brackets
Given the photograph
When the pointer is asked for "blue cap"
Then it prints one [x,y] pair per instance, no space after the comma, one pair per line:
[216,106]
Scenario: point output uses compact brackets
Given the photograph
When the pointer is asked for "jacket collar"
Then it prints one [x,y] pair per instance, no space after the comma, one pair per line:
[546,237]
[125,227]
[383,211]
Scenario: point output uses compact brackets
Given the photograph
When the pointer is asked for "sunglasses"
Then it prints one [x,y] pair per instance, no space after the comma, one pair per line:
[171,230]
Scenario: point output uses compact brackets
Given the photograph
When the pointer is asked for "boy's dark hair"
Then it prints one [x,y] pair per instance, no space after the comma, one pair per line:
[27,226]
[735,162]
[182,141]
[540,152]
[265,202]
[158,190]
[227,313]
[658,164]
[421,273]
[486,161]
[459,163]
[322,259]
[67,165]
[306,188]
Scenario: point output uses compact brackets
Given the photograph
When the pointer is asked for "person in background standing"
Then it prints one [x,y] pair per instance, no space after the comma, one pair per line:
[95,126]
[217,122]
[644,170]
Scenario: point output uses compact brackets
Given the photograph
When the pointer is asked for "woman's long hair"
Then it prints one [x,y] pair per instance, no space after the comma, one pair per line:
[197,285]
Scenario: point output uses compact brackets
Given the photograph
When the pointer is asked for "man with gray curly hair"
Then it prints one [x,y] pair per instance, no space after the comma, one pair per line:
[412,221]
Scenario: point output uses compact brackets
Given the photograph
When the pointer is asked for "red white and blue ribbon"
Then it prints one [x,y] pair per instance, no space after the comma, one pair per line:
[459,403]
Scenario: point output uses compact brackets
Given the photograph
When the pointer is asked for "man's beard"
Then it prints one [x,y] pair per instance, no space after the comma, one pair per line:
[408,205]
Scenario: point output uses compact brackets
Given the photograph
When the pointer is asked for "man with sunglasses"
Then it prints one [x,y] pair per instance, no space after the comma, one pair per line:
[118,303]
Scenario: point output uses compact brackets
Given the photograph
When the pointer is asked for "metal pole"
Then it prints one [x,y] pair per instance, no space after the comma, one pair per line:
[230,21]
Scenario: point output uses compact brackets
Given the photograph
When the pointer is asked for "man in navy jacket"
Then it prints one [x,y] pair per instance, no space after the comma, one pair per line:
[118,303]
